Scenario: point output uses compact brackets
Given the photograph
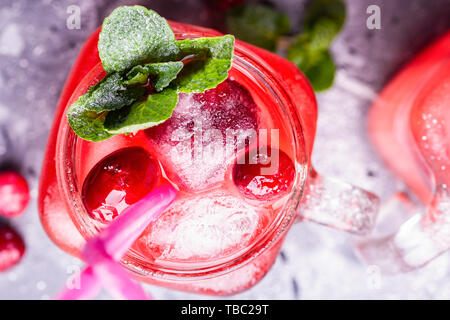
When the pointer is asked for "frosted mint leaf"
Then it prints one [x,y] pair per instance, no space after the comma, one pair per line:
[161,74]
[156,109]
[110,93]
[133,35]
[211,60]
[88,125]
[87,114]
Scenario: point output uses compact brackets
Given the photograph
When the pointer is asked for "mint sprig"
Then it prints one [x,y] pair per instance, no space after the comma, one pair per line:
[268,28]
[257,24]
[310,51]
[319,68]
[319,11]
[317,65]
[147,68]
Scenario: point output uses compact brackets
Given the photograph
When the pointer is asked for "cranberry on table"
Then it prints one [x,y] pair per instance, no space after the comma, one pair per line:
[14,194]
[12,248]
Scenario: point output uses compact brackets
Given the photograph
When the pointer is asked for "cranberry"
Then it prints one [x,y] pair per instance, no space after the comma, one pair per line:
[118,181]
[14,194]
[12,248]
[256,184]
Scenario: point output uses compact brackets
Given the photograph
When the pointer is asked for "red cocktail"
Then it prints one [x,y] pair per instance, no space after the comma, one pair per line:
[239,155]
[409,127]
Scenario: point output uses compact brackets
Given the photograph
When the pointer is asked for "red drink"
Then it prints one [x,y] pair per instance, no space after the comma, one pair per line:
[222,233]
[408,125]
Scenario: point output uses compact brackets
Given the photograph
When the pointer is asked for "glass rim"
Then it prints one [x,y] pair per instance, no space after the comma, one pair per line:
[67,180]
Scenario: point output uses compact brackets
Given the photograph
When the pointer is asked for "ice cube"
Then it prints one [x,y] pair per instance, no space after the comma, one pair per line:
[204,226]
[201,138]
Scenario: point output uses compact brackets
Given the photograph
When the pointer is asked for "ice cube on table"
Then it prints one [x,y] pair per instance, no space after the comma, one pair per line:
[201,138]
[418,240]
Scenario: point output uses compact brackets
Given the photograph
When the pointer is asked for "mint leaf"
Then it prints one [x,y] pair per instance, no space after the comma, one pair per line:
[161,74]
[133,35]
[110,93]
[87,114]
[299,51]
[156,109]
[320,70]
[211,60]
[87,124]
[317,65]
[325,12]
[323,34]
[257,24]
[309,51]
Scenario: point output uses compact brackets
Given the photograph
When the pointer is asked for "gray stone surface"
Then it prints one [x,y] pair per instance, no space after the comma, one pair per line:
[36,54]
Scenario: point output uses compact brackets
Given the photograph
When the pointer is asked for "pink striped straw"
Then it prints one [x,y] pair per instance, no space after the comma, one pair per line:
[103,252]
